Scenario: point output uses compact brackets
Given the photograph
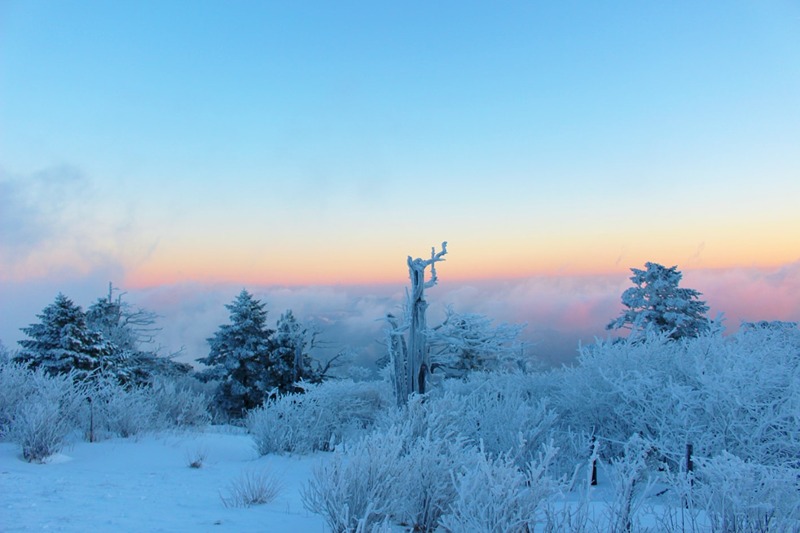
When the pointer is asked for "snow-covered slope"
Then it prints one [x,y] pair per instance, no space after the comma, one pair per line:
[146,484]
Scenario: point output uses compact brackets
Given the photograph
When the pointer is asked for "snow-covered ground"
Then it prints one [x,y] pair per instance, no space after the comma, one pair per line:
[146,484]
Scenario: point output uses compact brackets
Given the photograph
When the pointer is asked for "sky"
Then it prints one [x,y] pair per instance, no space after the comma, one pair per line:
[304,149]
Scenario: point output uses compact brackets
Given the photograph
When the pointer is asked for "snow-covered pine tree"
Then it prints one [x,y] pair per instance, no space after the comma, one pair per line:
[239,356]
[63,341]
[289,360]
[656,303]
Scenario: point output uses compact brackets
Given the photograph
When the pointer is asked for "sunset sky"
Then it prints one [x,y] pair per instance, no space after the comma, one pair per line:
[284,146]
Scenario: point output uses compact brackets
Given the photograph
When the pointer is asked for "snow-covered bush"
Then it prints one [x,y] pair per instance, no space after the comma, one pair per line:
[37,411]
[40,430]
[15,388]
[425,489]
[389,474]
[178,403]
[355,490]
[623,388]
[738,394]
[741,496]
[494,495]
[319,418]
[749,396]
[252,488]
[120,411]
[631,481]
[196,457]
[502,412]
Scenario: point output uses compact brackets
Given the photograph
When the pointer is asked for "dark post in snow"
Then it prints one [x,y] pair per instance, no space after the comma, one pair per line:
[594,461]
[418,355]
[689,470]
[91,418]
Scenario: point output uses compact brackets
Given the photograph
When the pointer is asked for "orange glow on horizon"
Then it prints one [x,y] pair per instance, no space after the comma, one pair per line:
[294,269]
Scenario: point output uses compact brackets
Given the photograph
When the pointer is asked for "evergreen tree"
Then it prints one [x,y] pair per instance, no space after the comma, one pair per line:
[239,356]
[63,341]
[289,360]
[656,303]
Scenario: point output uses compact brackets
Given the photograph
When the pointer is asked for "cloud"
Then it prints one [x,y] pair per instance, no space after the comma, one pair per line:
[560,311]
[55,224]
[347,317]
[749,294]
[32,207]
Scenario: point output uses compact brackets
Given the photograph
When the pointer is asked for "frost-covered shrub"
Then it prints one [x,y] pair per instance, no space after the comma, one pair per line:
[125,411]
[738,394]
[355,490]
[623,388]
[749,396]
[178,403]
[389,474]
[38,411]
[252,488]
[16,386]
[631,482]
[196,457]
[739,496]
[121,411]
[319,418]
[40,430]
[494,495]
[499,411]
[425,489]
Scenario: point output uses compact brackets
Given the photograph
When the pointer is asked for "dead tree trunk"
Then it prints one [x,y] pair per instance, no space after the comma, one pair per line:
[412,357]
[398,359]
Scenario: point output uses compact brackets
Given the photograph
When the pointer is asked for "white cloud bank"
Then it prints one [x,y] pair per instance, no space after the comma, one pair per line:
[559,311]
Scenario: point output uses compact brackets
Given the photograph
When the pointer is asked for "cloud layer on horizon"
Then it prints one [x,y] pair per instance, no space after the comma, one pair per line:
[559,312]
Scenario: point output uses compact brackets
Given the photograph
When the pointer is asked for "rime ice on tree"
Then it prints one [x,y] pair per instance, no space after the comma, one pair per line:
[63,341]
[410,356]
[657,304]
[239,356]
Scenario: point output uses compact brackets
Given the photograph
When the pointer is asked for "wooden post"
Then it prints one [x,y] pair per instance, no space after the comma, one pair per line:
[594,462]
[91,418]
[689,469]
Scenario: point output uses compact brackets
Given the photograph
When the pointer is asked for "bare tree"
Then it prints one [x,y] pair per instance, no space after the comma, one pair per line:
[408,344]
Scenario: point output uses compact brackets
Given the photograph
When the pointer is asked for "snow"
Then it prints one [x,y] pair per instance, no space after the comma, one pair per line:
[146,484]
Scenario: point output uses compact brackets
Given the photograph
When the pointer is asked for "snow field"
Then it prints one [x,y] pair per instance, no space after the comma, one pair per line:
[146,484]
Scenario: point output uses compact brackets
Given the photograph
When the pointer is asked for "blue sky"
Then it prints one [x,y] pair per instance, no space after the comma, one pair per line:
[303,144]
